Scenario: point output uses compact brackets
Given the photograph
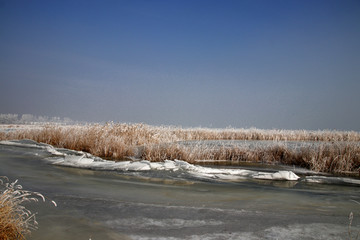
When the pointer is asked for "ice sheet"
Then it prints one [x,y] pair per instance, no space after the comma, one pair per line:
[332,180]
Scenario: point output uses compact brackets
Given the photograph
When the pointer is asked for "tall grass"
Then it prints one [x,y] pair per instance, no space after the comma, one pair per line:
[334,158]
[15,220]
[335,151]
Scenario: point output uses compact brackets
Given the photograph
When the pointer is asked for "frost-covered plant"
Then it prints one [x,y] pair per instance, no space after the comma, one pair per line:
[16,221]
[351,217]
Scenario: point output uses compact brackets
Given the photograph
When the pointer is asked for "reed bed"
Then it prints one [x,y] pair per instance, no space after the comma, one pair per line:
[335,151]
[333,158]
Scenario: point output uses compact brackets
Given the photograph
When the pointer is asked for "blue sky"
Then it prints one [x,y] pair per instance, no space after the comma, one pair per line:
[265,64]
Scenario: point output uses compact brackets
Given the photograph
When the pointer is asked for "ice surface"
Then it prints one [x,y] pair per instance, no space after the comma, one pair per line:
[167,224]
[318,231]
[332,180]
[32,144]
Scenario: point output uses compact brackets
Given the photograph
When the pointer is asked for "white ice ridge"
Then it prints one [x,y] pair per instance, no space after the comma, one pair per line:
[32,144]
[169,165]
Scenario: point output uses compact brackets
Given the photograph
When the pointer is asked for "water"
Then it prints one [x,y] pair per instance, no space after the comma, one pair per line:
[181,204]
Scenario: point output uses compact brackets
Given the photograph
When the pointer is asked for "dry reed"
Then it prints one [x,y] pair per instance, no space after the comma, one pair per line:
[15,220]
[335,151]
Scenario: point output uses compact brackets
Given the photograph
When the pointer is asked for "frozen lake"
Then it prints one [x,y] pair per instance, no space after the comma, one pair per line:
[175,200]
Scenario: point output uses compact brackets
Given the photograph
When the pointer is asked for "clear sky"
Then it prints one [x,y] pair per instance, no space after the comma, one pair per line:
[286,64]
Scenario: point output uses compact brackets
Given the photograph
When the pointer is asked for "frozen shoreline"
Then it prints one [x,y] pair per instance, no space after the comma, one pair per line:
[79,159]
[335,152]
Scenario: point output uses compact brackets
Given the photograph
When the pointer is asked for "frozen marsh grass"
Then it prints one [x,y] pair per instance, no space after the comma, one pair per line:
[331,151]
[16,221]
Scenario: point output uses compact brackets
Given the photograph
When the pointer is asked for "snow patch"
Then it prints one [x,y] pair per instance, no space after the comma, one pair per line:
[281,175]
[176,165]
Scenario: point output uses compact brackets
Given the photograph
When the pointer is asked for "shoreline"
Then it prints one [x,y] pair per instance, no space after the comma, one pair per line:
[335,152]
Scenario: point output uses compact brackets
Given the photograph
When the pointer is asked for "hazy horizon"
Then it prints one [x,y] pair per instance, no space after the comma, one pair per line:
[264,64]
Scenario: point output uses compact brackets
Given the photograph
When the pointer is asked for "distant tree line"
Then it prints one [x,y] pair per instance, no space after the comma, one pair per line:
[32,119]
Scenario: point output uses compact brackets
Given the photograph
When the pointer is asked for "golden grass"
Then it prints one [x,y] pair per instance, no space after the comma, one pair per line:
[15,220]
[334,158]
[336,151]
